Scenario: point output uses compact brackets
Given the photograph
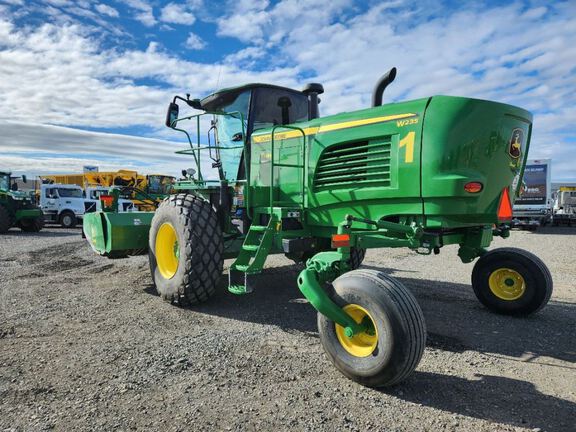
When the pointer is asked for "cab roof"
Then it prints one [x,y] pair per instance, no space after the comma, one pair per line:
[228,94]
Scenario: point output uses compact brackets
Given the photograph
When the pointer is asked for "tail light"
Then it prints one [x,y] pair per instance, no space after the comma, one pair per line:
[473,187]
[505,207]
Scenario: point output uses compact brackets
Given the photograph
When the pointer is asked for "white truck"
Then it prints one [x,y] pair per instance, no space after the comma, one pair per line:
[66,204]
[63,204]
[533,208]
[565,206]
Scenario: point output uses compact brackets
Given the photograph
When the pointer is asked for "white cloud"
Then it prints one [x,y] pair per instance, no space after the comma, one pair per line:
[177,14]
[143,12]
[195,42]
[36,149]
[106,10]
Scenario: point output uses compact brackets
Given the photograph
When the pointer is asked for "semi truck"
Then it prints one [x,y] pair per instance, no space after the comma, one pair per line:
[66,204]
[565,206]
[533,207]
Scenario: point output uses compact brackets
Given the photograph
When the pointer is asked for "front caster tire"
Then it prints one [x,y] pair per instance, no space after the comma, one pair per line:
[5,220]
[512,281]
[393,343]
[185,249]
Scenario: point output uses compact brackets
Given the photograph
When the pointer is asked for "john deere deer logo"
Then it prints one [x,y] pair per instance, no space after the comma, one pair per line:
[516,141]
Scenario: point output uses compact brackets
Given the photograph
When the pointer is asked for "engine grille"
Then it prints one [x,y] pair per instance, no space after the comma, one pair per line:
[354,165]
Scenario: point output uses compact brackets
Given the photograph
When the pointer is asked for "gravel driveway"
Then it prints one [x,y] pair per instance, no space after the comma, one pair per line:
[86,344]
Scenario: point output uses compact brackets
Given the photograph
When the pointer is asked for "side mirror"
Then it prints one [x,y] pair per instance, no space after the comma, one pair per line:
[24,179]
[172,113]
[191,172]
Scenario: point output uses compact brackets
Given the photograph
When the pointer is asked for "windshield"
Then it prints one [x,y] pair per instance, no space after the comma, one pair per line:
[229,132]
[159,184]
[4,182]
[69,193]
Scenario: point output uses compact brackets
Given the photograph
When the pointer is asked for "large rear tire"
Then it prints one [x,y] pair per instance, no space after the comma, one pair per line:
[512,281]
[32,225]
[392,346]
[5,220]
[185,249]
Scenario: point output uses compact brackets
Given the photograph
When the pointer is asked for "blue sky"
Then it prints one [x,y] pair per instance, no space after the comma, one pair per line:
[82,79]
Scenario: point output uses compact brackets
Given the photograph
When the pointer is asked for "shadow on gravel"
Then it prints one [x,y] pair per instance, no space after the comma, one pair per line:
[457,322]
[491,398]
[44,234]
[556,230]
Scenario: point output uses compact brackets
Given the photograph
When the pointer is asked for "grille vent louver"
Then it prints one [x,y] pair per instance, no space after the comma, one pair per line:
[354,164]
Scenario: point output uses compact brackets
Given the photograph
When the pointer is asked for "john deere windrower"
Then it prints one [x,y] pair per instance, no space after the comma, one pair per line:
[420,174]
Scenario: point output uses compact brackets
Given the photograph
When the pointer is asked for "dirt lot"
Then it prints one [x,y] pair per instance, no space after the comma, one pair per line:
[85,344]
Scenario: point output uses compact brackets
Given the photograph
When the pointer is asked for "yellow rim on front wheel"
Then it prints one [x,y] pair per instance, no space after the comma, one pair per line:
[361,344]
[507,284]
[166,250]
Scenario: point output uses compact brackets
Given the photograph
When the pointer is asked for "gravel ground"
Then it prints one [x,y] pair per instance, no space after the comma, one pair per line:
[86,344]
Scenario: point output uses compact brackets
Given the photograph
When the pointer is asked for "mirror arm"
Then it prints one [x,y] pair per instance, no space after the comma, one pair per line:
[194,103]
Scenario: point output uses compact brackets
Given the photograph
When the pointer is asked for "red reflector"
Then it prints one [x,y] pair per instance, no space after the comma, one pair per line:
[107,199]
[505,207]
[473,187]
[340,240]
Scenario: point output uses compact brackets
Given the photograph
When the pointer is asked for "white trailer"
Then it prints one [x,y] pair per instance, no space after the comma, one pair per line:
[533,208]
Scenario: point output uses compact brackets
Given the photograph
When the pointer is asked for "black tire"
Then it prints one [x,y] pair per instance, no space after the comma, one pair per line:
[67,219]
[525,295]
[5,220]
[356,257]
[200,247]
[32,225]
[399,324]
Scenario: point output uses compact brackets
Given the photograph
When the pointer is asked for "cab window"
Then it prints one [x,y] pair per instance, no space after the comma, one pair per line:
[278,107]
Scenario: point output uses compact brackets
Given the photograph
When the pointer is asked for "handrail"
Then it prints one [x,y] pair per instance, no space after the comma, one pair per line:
[272,163]
[195,150]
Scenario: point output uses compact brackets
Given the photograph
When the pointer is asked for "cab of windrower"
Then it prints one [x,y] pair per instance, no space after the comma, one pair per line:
[239,111]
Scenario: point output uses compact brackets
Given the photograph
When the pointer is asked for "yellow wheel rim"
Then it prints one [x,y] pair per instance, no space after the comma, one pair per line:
[507,284]
[167,251]
[361,344]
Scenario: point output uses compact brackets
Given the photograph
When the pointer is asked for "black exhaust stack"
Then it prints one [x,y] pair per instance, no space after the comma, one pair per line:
[312,90]
[381,85]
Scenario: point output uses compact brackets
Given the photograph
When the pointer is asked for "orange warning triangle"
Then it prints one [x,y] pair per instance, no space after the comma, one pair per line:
[505,207]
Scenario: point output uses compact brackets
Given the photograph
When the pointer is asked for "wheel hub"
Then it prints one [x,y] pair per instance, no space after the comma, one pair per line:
[167,250]
[361,344]
[507,284]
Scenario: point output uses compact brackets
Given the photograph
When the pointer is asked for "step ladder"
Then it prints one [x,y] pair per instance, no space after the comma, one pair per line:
[259,240]
[250,260]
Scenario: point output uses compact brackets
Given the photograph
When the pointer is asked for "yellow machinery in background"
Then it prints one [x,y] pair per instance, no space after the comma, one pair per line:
[146,191]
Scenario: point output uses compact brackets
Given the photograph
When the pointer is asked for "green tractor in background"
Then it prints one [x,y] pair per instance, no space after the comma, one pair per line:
[17,208]
[421,174]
